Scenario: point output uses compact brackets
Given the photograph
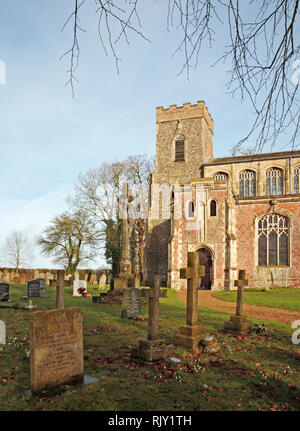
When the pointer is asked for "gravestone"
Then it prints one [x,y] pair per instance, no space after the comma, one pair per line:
[77,284]
[56,348]
[152,349]
[42,284]
[239,322]
[4,292]
[102,282]
[191,335]
[131,303]
[2,332]
[33,289]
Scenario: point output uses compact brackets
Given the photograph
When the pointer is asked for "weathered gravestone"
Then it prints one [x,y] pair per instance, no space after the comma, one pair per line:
[2,332]
[239,322]
[152,349]
[131,303]
[102,282]
[56,348]
[78,284]
[33,289]
[4,292]
[42,284]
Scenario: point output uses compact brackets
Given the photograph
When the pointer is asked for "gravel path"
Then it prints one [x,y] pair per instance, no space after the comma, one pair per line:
[206,299]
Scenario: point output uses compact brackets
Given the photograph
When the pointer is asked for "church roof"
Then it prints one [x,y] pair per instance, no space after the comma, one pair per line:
[251,157]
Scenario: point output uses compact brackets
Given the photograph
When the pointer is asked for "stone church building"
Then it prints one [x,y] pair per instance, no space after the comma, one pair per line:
[241,212]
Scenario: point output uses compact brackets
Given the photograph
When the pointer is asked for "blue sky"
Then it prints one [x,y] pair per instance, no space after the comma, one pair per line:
[47,137]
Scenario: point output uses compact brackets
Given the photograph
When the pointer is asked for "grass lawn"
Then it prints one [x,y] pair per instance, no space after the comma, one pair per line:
[287,298]
[257,371]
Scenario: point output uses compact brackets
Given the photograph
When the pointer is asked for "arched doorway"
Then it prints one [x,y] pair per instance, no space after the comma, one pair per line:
[205,259]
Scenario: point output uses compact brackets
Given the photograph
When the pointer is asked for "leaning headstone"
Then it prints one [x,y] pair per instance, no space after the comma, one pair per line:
[131,303]
[152,349]
[2,332]
[239,322]
[56,348]
[4,292]
[78,284]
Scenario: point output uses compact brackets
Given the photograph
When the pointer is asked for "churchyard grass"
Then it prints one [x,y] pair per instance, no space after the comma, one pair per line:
[257,371]
[287,298]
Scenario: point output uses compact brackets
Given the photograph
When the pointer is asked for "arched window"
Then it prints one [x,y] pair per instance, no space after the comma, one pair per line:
[296,180]
[247,183]
[221,176]
[213,208]
[273,240]
[191,209]
[274,182]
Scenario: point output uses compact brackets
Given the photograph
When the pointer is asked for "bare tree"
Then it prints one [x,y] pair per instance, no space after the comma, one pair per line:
[17,250]
[72,238]
[262,51]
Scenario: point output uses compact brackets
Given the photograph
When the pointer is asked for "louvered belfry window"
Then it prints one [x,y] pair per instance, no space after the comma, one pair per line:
[273,240]
[179,151]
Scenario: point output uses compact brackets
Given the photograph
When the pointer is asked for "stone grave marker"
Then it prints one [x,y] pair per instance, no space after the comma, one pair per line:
[102,282]
[4,292]
[33,289]
[2,332]
[42,284]
[190,335]
[131,303]
[239,322]
[152,349]
[77,284]
[56,348]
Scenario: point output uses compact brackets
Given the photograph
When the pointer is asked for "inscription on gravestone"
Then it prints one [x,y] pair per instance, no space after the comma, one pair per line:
[4,292]
[56,348]
[131,303]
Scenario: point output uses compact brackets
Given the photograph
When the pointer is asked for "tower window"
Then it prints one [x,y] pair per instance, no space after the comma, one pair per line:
[179,151]
[213,208]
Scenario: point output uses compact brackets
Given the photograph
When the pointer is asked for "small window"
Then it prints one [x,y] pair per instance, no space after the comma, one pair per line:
[247,183]
[191,211]
[179,151]
[221,176]
[213,208]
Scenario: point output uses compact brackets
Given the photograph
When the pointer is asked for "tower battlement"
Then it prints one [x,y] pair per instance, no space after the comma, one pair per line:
[185,112]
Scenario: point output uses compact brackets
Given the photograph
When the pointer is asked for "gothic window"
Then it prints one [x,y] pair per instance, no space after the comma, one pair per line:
[296,180]
[247,183]
[274,182]
[191,209]
[213,208]
[220,176]
[179,151]
[273,239]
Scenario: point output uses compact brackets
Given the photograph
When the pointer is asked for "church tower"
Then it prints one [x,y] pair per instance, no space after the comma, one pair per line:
[184,141]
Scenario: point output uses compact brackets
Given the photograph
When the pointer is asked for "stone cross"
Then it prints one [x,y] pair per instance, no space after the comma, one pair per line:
[153,309]
[240,284]
[192,274]
[60,277]
[125,266]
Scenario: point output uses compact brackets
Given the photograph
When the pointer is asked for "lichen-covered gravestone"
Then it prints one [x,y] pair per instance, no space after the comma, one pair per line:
[56,348]
[2,332]
[131,303]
